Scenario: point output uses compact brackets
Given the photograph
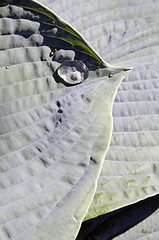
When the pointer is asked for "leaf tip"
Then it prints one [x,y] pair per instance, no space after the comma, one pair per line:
[127,69]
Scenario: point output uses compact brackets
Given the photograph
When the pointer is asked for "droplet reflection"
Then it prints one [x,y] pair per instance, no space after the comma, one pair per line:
[73,72]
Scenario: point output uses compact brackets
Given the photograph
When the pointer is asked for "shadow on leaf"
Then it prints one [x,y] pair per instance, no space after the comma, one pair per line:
[112,224]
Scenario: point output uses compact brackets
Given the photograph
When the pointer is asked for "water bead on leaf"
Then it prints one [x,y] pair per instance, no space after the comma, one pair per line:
[110,75]
[73,72]
[53,51]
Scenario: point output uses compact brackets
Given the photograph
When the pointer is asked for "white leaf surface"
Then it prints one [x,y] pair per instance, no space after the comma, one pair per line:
[125,32]
[54,135]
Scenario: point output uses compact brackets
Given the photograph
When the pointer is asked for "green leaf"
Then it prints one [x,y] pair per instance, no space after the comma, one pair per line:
[54,135]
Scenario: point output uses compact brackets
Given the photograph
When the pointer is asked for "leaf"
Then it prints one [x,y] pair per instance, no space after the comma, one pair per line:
[125,32]
[130,170]
[54,136]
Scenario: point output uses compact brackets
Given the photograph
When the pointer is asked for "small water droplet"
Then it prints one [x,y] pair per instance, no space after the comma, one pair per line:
[110,75]
[53,51]
[73,72]
[7,67]
[51,54]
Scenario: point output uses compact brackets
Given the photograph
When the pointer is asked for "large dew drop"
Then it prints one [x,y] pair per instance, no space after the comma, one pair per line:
[73,72]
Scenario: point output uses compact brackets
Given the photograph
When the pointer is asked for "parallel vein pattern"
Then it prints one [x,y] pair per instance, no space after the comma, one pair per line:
[53,136]
[125,32]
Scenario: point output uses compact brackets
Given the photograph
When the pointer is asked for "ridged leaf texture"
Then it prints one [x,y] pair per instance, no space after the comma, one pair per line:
[54,135]
[125,33]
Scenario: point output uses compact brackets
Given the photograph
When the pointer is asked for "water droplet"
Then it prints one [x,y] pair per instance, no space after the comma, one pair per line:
[110,75]
[73,72]
[51,54]
[53,51]
[7,67]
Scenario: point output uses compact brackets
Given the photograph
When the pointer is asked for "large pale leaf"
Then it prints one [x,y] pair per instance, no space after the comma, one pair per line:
[125,32]
[130,170]
[54,135]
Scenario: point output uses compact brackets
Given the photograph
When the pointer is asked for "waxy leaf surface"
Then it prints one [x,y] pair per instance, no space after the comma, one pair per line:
[54,135]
